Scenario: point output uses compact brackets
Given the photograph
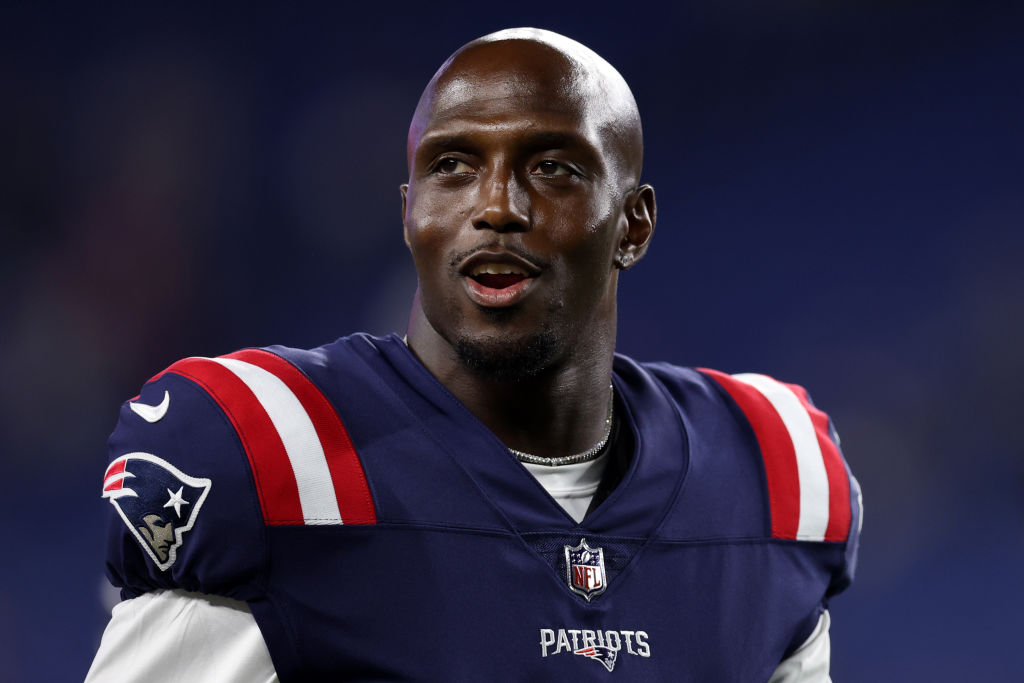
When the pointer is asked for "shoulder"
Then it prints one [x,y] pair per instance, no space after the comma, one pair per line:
[215,450]
[813,495]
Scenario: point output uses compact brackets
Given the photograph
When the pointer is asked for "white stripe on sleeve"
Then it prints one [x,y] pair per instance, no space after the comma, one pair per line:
[809,461]
[309,464]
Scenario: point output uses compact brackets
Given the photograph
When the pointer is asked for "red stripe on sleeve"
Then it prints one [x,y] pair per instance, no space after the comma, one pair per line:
[275,482]
[112,469]
[350,487]
[776,450]
[839,512]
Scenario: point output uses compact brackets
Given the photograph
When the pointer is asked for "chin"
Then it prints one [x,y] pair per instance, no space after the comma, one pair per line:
[504,357]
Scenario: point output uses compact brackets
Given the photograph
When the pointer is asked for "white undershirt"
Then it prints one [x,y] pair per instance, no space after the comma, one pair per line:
[180,637]
[572,486]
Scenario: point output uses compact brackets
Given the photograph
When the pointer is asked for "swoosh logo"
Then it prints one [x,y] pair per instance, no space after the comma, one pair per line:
[152,413]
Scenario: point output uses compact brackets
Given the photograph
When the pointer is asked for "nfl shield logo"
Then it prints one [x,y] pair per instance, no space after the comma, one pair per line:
[584,568]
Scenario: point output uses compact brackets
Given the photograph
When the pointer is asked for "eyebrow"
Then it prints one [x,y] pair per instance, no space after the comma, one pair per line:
[532,141]
[439,142]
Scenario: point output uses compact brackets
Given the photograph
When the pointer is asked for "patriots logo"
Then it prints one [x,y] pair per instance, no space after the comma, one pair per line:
[157,501]
[605,655]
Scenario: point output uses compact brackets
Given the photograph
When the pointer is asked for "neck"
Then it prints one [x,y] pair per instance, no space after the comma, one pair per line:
[558,411]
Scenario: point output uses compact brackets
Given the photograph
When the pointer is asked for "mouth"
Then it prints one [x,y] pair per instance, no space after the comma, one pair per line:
[496,279]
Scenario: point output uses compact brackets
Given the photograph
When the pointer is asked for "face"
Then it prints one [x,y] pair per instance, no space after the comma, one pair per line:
[159,534]
[516,207]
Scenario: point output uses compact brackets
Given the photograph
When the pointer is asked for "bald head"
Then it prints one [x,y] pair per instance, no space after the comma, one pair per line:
[537,65]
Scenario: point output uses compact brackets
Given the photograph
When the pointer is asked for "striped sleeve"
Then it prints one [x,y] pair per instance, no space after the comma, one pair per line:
[812,495]
[303,462]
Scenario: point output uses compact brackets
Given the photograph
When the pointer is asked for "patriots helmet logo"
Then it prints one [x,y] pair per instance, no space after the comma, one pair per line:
[157,501]
[605,655]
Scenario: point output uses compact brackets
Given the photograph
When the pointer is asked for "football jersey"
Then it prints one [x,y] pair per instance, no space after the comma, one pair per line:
[379,531]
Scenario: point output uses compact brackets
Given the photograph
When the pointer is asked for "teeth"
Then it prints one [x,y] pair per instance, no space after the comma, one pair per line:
[497,269]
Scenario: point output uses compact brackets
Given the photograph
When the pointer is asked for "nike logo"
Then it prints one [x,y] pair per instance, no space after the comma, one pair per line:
[151,413]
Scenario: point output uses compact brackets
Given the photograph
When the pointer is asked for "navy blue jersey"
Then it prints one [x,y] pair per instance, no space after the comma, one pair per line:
[379,531]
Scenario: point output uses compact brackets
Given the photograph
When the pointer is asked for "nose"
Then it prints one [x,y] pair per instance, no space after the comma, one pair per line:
[503,204]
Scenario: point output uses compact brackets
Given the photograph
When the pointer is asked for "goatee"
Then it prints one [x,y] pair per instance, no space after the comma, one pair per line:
[502,358]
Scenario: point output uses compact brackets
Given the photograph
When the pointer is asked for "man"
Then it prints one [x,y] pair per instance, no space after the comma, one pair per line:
[370,510]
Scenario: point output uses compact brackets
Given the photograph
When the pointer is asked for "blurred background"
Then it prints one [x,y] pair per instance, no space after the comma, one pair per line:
[840,205]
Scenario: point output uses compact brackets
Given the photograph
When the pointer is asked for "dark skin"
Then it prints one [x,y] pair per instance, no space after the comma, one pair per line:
[522,206]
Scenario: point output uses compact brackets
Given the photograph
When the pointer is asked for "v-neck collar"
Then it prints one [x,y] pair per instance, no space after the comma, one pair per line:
[634,509]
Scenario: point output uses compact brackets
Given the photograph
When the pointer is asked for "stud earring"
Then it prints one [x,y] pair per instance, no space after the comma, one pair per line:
[623,261]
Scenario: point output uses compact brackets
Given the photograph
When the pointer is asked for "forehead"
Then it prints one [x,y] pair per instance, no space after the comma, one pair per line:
[510,86]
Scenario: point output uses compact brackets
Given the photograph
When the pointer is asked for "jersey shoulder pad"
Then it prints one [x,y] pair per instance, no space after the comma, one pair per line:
[812,494]
[211,452]
[305,467]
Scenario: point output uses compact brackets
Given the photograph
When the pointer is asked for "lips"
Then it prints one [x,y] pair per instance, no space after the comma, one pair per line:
[498,278]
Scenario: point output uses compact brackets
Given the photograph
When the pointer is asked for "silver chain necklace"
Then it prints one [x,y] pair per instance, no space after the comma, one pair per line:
[583,456]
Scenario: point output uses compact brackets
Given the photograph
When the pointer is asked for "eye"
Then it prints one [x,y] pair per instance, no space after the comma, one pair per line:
[452,166]
[551,168]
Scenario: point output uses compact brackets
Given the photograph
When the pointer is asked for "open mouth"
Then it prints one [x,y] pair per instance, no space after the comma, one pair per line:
[496,279]
[498,275]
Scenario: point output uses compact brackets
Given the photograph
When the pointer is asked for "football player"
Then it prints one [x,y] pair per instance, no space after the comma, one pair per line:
[498,495]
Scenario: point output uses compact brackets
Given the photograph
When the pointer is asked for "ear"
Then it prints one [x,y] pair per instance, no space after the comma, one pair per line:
[404,189]
[641,215]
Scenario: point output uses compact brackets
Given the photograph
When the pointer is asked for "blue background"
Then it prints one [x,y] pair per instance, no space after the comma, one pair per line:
[840,205]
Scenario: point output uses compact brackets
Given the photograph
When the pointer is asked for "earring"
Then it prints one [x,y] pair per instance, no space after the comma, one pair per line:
[624,261]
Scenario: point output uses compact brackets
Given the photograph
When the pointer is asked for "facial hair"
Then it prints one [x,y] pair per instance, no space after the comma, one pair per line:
[507,359]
